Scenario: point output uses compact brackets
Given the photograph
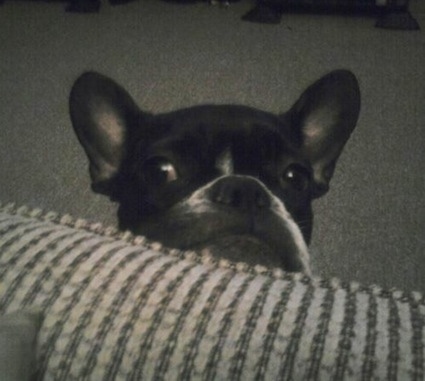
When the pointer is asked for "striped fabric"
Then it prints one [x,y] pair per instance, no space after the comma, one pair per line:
[118,307]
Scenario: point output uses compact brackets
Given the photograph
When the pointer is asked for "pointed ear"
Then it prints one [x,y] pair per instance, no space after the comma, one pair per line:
[102,114]
[323,119]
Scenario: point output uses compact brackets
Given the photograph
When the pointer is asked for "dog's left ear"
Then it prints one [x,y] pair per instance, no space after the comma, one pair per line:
[103,115]
[323,119]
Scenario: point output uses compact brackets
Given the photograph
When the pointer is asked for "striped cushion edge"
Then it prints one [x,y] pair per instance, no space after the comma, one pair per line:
[119,307]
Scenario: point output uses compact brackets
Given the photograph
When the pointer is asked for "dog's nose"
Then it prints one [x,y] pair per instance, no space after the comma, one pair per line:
[240,192]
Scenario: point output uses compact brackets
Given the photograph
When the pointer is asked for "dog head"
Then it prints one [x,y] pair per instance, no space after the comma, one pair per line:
[232,180]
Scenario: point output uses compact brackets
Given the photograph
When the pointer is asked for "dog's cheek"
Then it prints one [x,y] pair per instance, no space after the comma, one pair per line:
[305,222]
[299,207]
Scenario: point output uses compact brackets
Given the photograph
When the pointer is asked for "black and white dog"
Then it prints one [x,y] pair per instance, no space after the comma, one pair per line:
[231,180]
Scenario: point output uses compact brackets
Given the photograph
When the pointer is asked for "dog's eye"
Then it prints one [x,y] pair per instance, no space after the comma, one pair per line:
[296,176]
[159,171]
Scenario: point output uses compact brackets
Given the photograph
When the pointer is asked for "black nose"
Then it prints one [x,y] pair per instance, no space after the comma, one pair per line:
[242,193]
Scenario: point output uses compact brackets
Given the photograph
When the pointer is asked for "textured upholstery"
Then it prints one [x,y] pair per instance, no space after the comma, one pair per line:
[117,307]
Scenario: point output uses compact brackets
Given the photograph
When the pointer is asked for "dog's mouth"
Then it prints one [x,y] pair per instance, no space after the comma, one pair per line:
[257,236]
[241,248]
[257,250]
[272,242]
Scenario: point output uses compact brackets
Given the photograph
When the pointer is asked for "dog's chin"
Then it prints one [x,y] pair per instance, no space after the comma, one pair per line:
[268,241]
[286,250]
[242,248]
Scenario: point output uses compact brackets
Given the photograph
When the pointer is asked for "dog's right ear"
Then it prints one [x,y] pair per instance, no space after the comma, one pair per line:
[323,119]
[102,114]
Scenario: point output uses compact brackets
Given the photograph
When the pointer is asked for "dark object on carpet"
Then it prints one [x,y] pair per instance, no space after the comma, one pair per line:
[90,6]
[83,6]
[391,14]
[212,2]
[401,20]
[184,1]
[46,1]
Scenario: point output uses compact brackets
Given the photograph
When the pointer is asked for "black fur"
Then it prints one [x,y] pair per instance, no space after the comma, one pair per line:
[232,180]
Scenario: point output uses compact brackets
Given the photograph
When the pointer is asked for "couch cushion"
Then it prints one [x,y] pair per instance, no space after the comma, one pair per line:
[118,307]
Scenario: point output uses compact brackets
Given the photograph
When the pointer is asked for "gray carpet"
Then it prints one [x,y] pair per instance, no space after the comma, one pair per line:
[370,226]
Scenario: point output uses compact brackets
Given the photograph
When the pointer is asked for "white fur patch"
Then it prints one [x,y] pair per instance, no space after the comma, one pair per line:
[224,162]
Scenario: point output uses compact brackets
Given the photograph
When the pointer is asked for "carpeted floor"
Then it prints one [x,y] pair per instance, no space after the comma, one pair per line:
[370,227]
